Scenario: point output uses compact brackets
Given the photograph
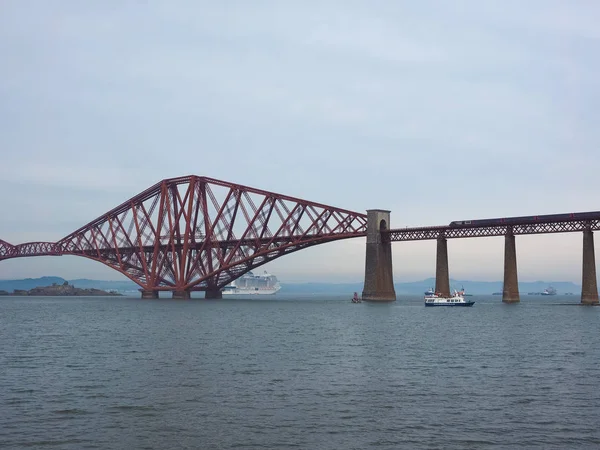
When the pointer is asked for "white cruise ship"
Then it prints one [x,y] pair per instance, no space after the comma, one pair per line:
[250,284]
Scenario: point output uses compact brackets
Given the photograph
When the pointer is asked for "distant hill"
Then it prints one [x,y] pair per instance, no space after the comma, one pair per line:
[120,286]
[31,283]
[419,287]
[414,287]
[488,287]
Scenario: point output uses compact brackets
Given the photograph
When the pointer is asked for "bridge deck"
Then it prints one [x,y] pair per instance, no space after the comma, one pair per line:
[465,231]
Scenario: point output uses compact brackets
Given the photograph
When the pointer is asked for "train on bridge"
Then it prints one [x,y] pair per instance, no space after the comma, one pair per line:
[523,220]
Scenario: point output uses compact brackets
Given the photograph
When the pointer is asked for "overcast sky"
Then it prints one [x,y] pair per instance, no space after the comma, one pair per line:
[438,111]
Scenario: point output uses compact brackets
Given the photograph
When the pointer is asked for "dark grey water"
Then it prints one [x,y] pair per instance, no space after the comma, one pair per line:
[309,373]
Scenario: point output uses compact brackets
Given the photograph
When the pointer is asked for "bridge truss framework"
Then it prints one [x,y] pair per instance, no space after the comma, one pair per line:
[448,232]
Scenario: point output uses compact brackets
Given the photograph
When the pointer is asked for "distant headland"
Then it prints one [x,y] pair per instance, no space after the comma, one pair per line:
[60,290]
[128,287]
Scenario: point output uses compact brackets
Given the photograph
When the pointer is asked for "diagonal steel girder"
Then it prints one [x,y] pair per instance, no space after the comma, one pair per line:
[6,250]
[198,233]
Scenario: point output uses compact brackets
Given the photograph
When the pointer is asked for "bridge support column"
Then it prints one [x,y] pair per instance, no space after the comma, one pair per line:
[442,279]
[510,290]
[589,285]
[213,294]
[149,294]
[379,279]
[181,295]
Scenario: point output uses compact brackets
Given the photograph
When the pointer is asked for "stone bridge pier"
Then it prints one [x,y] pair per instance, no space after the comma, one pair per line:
[181,294]
[589,285]
[442,277]
[213,294]
[149,294]
[379,279]
[510,288]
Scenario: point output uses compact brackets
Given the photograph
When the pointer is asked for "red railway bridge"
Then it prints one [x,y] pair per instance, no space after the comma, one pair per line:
[197,233]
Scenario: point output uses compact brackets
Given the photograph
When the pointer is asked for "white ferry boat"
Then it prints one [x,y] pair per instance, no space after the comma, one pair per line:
[456,299]
[250,284]
[549,291]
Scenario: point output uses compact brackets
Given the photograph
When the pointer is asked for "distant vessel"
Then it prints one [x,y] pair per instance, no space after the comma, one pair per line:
[356,299]
[464,294]
[456,299]
[250,284]
[549,291]
[429,291]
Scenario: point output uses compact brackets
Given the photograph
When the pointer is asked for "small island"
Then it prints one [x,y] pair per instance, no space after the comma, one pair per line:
[61,290]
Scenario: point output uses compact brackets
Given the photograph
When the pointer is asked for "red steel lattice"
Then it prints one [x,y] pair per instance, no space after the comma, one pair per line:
[448,232]
[198,233]
[6,250]
[37,249]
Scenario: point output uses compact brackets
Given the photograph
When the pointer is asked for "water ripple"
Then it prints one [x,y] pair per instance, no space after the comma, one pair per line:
[122,373]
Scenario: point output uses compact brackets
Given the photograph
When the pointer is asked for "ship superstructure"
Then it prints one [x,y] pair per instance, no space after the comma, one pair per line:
[250,284]
[549,291]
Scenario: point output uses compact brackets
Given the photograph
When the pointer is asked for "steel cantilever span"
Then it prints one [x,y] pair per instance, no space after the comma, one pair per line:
[198,233]
[6,250]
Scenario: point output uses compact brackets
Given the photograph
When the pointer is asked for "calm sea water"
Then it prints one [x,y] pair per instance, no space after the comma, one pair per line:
[298,372]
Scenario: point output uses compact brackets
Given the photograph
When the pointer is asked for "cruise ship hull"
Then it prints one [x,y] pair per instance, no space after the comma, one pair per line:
[250,291]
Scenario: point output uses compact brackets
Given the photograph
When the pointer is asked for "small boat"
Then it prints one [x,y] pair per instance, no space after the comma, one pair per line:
[355,299]
[549,291]
[456,299]
[429,292]
[463,293]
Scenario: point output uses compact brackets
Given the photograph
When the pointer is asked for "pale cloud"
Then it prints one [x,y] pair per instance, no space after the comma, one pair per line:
[438,111]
